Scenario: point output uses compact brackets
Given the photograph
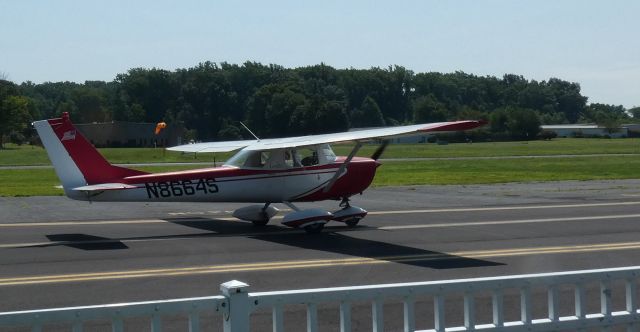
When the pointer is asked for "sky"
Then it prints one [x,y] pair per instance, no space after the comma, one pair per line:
[593,43]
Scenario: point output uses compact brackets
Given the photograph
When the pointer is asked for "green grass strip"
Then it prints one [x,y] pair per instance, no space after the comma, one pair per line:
[507,170]
[43,181]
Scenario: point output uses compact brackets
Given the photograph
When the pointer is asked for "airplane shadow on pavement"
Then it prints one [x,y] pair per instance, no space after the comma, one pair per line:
[337,240]
[332,239]
[213,228]
[86,242]
[347,245]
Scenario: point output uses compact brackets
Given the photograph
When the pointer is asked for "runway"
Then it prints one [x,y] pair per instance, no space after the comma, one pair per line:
[87,255]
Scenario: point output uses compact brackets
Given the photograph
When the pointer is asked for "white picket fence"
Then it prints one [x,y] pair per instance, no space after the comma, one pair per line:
[236,304]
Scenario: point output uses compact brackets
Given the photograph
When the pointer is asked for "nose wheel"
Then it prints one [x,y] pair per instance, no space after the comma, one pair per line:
[350,215]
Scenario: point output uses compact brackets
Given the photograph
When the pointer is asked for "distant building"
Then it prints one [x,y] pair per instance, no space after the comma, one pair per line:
[590,130]
[130,134]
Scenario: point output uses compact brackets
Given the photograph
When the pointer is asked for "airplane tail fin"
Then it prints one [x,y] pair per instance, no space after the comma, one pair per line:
[76,162]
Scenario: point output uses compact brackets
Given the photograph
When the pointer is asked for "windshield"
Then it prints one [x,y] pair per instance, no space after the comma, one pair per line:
[283,158]
[239,159]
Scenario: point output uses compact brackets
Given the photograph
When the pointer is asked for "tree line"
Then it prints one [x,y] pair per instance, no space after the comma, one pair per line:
[210,99]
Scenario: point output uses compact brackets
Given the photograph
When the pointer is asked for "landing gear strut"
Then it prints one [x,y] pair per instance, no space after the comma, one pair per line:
[345,203]
[351,222]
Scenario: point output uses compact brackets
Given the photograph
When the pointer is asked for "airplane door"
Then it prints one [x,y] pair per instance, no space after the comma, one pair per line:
[301,178]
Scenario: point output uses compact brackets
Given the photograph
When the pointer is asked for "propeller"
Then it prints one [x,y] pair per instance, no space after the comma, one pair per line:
[376,154]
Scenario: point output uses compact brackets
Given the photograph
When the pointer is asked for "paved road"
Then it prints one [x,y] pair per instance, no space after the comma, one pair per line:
[56,252]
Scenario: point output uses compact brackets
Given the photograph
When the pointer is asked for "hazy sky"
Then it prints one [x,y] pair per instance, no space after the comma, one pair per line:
[594,43]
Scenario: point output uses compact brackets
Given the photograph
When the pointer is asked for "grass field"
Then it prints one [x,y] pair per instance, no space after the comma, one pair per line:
[507,170]
[32,155]
[569,146]
[29,155]
[21,182]
[43,181]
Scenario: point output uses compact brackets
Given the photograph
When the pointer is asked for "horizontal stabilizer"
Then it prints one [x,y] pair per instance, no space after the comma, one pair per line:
[105,186]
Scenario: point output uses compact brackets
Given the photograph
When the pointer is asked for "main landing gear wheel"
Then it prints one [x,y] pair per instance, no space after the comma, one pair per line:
[314,228]
[258,215]
[260,223]
[265,217]
[353,222]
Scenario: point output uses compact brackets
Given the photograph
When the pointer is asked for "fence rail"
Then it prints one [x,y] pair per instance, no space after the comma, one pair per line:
[236,304]
[117,313]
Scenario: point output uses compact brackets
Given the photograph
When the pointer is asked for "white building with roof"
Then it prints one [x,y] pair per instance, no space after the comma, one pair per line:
[586,130]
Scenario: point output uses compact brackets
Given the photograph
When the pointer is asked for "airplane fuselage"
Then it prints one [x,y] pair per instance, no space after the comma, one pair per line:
[232,184]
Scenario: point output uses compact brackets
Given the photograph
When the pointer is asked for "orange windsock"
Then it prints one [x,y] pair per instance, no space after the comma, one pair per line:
[160,126]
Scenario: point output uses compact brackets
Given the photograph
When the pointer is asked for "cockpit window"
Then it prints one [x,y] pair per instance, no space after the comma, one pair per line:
[326,153]
[290,160]
[264,157]
[283,158]
[238,159]
[248,159]
[308,156]
[268,159]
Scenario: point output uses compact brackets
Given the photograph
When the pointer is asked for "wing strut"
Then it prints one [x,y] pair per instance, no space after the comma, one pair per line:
[343,167]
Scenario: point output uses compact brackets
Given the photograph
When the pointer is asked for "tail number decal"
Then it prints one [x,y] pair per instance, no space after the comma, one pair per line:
[181,188]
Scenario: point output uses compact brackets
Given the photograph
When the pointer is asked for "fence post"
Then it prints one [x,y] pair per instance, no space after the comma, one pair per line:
[236,317]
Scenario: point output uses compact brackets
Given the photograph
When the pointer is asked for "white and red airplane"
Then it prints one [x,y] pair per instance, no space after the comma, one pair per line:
[267,171]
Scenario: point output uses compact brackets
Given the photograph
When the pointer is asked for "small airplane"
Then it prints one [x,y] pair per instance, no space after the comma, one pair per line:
[265,171]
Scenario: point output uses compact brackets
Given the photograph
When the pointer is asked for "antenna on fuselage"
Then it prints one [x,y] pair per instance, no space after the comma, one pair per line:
[249,130]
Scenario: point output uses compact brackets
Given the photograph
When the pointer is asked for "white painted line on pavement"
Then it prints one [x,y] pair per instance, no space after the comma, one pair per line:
[509,222]
[497,208]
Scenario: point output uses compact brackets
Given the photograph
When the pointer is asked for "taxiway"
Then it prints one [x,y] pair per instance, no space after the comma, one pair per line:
[56,252]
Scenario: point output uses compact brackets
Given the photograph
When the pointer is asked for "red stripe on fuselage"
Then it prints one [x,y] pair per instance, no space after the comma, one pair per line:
[360,174]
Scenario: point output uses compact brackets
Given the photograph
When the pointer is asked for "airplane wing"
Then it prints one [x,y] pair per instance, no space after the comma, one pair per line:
[213,146]
[349,136]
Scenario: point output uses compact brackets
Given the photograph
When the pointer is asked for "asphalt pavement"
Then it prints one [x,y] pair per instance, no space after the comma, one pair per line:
[56,252]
